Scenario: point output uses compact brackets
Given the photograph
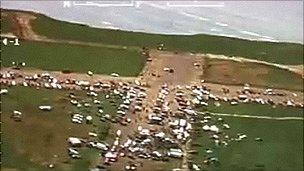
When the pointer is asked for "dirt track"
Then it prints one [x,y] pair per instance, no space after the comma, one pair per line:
[184,72]
[257,117]
[78,76]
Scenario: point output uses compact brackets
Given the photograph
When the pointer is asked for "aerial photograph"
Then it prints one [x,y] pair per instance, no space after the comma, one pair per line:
[152,85]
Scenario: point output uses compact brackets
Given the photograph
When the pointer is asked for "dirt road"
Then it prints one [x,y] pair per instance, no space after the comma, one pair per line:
[77,76]
[255,117]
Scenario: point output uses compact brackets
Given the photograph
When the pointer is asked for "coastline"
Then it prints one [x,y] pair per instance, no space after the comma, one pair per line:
[233,20]
[159,33]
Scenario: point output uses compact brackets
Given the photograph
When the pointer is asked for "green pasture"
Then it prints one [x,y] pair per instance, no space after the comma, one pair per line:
[76,58]
[281,148]
[33,143]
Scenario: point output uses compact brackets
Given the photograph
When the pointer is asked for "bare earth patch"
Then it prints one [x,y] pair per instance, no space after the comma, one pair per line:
[22,26]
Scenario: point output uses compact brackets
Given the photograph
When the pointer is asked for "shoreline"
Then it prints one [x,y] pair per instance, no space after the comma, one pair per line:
[156,32]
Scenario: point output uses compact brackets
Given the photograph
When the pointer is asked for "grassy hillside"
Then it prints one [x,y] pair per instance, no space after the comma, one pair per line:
[284,53]
[57,57]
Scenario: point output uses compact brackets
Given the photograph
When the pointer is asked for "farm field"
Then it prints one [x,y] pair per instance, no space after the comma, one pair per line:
[41,137]
[280,148]
[283,53]
[238,73]
[77,58]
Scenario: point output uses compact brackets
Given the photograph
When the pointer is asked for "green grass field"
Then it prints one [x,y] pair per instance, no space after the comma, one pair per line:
[77,58]
[238,73]
[33,142]
[283,79]
[284,53]
[254,109]
[5,24]
[280,150]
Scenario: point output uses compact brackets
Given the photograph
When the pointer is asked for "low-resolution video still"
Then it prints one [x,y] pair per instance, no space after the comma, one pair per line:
[151,85]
